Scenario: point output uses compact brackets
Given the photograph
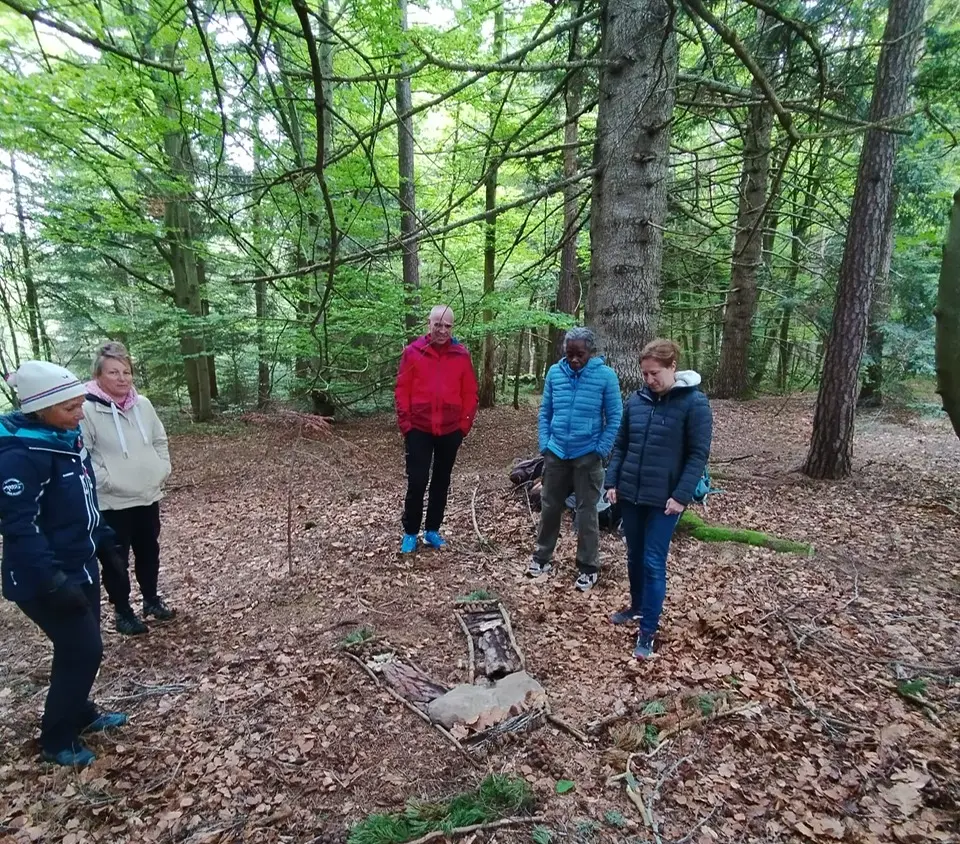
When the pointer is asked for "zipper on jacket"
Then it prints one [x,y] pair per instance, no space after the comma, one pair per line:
[643,447]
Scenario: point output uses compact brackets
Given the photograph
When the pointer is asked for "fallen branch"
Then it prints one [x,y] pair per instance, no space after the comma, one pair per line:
[471,670]
[477,827]
[152,691]
[418,712]
[563,725]
[697,720]
[595,727]
[508,624]
[473,513]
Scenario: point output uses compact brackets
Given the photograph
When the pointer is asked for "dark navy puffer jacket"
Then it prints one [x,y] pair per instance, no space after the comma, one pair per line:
[662,445]
[49,516]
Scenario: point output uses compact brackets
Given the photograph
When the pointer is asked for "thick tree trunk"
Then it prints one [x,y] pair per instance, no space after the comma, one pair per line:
[34,320]
[408,195]
[733,378]
[568,285]
[831,445]
[629,203]
[948,321]
[488,386]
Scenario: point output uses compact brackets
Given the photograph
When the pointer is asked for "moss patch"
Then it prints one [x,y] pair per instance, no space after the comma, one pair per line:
[496,797]
[692,525]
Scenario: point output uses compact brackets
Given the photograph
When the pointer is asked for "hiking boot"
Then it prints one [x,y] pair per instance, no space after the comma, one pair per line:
[128,624]
[158,609]
[75,756]
[644,647]
[587,580]
[627,615]
[106,721]
[409,544]
[434,540]
[536,568]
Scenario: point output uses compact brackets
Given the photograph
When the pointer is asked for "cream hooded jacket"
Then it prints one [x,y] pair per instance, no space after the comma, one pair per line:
[128,449]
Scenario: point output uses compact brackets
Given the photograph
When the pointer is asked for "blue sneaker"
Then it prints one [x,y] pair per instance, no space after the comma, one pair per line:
[644,647]
[76,756]
[434,540]
[106,721]
[409,544]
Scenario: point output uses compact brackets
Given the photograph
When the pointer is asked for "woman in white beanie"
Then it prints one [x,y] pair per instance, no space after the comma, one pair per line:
[128,446]
[52,532]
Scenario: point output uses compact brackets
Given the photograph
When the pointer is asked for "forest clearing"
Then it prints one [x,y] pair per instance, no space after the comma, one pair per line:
[249,724]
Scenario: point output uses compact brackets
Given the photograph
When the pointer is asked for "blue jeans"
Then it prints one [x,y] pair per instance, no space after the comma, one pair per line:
[648,531]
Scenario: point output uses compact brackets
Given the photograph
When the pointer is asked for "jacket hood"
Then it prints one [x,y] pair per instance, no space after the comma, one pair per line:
[594,362]
[19,431]
[687,378]
[423,345]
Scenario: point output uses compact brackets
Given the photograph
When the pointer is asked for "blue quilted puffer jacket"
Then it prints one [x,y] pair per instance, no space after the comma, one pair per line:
[581,411]
[663,444]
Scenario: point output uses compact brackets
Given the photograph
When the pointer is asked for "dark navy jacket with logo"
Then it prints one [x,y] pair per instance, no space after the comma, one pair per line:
[49,518]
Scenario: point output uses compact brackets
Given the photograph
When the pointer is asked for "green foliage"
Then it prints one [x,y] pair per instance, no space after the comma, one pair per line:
[653,708]
[614,818]
[916,687]
[706,704]
[478,595]
[542,834]
[651,736]
[357,637]
[563,786]
[496,797]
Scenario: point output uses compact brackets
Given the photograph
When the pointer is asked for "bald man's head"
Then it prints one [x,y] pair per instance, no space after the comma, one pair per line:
[441,324]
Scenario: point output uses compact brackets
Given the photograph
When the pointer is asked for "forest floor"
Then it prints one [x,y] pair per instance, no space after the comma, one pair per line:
[247,722]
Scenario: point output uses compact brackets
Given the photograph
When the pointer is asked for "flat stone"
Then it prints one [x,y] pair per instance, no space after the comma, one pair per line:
[482,706]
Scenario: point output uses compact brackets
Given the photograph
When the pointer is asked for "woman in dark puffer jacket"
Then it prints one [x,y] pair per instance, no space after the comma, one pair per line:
[658,458]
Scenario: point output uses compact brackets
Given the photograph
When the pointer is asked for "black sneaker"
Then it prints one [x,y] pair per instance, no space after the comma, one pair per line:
[627,615]
[128,624]
[158,609]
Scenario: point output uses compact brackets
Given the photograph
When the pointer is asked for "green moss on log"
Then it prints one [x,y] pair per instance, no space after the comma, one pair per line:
[692,525]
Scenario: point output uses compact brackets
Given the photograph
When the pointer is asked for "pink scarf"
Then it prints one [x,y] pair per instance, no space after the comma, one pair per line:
[128,401]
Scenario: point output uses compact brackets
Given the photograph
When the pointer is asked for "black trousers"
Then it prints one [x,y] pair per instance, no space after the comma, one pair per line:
[77,650]
[422,449]
[137,529]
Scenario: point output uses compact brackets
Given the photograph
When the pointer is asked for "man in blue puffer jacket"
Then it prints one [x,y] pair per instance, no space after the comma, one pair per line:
[579,418]
[658,458]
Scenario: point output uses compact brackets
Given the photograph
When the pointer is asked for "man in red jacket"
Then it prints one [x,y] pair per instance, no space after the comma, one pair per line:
[436,398]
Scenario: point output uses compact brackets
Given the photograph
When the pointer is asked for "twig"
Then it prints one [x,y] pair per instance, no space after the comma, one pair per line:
[828,721]
[697,720]
[477,827]
[563,725]
[471,671]
[152,691]
[526,494]
[418,712]
[595,727]
[814,629]
[473,512]
[513,639]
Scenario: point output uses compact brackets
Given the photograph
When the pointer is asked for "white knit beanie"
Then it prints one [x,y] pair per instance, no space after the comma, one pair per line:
[41,384]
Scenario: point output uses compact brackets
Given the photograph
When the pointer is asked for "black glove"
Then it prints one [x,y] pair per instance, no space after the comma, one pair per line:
[65,598]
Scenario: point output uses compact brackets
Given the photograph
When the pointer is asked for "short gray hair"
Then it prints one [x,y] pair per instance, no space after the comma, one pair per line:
[582,334]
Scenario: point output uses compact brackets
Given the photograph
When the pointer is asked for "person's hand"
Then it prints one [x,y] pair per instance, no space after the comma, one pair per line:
[674,508]
[65,598]
[612,496]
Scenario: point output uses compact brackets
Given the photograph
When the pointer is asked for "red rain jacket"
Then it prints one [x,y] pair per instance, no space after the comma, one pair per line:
[436,388]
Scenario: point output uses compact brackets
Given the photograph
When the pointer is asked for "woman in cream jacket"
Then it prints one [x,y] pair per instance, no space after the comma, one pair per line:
[128,448]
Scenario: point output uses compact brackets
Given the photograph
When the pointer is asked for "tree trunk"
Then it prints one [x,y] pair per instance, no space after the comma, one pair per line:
[568,285]
[948,321]
[34,321]
[733,377]
[260,287]
[205,311]
[629,203]
[831,445]
[408,196]
[488,387]
[871,391]
[182,254]
[518,369]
